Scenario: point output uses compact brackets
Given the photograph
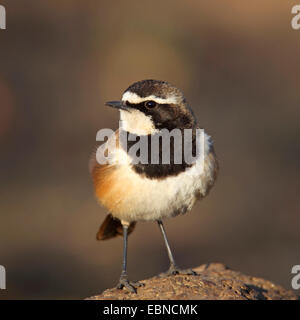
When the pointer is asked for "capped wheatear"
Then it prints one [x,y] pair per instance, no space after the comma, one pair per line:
[137,191]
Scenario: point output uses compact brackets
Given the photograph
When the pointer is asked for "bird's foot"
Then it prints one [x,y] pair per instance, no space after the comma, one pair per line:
[173,270]
[131,286]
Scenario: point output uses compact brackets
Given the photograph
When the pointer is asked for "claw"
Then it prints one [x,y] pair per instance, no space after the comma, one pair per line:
[131,286]
[173,270]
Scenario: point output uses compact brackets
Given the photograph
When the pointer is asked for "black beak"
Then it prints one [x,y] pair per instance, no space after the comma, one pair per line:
[117,105]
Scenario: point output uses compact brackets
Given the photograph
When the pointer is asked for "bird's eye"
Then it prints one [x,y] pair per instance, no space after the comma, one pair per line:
[150,104]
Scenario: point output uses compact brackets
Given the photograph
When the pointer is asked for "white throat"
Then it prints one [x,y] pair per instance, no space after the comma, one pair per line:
[136,122]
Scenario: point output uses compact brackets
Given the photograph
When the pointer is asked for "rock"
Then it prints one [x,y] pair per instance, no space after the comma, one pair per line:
[213,282]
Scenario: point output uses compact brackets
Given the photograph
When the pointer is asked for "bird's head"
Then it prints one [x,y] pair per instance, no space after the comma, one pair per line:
[148,106]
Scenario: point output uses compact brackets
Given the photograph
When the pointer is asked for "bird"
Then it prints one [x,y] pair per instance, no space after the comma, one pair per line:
[134,191]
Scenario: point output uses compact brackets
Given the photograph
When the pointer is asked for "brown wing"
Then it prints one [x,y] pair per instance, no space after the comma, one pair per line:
[112,227]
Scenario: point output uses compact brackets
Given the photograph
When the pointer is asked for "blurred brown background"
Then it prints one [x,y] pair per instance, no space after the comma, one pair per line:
[237,63]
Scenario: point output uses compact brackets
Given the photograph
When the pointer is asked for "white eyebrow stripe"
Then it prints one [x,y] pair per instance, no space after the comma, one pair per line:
[132,97]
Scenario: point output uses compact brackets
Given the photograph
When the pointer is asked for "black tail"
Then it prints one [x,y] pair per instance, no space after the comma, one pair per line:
[112,227]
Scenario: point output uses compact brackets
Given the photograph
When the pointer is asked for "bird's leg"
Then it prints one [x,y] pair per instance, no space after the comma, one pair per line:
[124,282]
[173,269]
